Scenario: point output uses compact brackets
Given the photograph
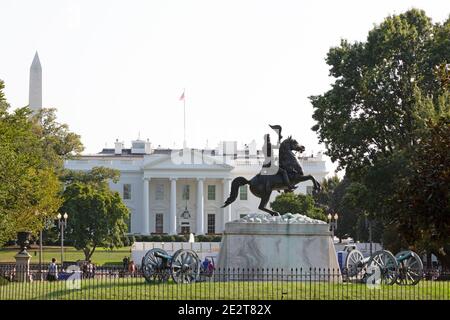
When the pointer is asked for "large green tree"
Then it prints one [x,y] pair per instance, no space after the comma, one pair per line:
[97,215]
[422,200]
[29,187]
[33,148]
[374,117]
[371,110]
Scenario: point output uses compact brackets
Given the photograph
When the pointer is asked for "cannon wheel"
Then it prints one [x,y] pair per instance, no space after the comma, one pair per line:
[388,265]
[185,266]
[155,268]
[410,269]
[354,264]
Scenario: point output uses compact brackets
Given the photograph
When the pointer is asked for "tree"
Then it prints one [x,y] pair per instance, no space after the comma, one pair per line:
[29,188]
[369,111]
[97,175]
[97,215]
[58,142]
[325,196]
[422,200]
[32,150]
[375,114]
[288,202]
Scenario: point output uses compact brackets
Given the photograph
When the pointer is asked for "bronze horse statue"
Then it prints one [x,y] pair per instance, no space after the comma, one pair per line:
[262,185]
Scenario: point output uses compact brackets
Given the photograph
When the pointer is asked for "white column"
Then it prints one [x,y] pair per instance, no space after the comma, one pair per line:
[145,206]
[200,207]
[226,194]
[173,207]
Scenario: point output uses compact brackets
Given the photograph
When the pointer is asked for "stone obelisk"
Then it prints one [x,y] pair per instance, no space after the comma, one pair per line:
[35,94]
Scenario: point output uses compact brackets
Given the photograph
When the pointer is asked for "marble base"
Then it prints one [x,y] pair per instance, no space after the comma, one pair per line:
[22,267]
[295,244]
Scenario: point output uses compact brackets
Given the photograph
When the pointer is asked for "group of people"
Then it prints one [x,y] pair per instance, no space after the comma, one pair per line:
[87,268]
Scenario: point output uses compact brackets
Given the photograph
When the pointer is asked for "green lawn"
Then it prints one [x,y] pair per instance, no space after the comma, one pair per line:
[136,288]
[101,256]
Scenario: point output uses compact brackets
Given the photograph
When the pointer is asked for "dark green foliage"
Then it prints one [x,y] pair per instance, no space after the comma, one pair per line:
[373,121]
[97,216]
[29,187]
[297,203]
[422,201]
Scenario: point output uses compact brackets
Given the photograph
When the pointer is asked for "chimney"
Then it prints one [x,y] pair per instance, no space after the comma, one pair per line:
[148,147]
[118,146]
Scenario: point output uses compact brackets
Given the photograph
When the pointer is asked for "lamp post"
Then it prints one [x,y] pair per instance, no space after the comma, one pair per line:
[332,220]
[40,249]
[62,223]
[185,215]
[369,226]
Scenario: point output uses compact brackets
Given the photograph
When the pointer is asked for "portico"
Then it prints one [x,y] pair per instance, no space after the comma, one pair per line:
[192,207]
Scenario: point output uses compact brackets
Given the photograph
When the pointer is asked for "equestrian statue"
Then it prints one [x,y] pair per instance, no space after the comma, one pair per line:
[283,176]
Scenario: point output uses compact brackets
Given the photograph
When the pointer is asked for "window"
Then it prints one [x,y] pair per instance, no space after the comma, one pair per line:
[159,223]
[138,145]
[127,191]
[212,192]
[243,193]
[242,215]
[159,192]
[309,189]
[186,192]
[211,223]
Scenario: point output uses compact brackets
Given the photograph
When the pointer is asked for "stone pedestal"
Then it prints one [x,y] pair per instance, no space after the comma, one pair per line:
[22,266]
[300,248]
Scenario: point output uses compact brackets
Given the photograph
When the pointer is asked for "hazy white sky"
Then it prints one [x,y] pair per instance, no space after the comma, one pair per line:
[117,68]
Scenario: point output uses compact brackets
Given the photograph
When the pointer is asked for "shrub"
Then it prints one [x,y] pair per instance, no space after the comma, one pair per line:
[167,238]
[156,238]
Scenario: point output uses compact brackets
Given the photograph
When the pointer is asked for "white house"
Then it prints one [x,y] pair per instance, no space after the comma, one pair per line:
[181,191]
[178,191]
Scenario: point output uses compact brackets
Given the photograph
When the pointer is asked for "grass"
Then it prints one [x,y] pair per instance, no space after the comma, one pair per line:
[100,257]
[137,289]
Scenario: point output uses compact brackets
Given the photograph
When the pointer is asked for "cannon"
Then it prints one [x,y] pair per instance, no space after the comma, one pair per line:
[410,268]
[158,266]
[405,268]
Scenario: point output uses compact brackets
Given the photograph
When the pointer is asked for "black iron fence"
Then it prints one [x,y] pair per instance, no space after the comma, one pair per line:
[118,283]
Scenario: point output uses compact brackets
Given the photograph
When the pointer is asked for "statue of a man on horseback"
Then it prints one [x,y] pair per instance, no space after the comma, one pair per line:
[283,176]
[269,166]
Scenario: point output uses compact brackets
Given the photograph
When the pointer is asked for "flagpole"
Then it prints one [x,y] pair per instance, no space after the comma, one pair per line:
[184,111]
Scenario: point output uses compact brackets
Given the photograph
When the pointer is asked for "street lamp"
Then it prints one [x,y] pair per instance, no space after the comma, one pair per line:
[369,226]
[62,223]
[332,220]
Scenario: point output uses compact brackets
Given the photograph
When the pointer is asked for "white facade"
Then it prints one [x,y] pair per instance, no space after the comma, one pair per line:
[152,184]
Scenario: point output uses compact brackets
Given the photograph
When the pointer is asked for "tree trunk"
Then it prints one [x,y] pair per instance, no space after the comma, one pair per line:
[88,253]
[429,258]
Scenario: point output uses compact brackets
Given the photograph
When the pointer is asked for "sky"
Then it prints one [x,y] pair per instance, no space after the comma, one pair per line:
[116,69]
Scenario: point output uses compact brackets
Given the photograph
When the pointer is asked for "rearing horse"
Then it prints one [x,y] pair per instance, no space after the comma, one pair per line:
[262,185]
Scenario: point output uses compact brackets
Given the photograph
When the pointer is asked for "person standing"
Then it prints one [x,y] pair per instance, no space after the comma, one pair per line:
[132,268]
[52,271]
